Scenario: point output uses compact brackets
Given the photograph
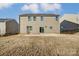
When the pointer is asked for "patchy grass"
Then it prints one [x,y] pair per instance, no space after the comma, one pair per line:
[16,45]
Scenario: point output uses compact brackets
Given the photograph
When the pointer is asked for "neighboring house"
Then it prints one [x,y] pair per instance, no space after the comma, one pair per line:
[69,22]
[39,23]
[8,26]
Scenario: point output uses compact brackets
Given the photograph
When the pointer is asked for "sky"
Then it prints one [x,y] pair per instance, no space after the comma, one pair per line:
[13,10]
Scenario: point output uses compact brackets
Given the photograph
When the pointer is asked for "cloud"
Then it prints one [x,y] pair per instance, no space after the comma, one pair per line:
[25,7]
[35,8]
[50,7]
[32,7]
[5,5]
[57,6]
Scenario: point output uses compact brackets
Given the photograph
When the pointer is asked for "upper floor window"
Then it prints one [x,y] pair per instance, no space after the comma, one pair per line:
[34,18]
[42,18]
[31,18]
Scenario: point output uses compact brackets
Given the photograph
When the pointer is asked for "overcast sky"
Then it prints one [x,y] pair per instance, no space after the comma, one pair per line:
[11,10]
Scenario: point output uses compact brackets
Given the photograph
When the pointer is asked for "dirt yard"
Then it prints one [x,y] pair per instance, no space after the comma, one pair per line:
[39,45]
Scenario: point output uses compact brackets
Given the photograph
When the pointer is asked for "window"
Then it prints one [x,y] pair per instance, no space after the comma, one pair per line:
[30,18]
[50,27]
[41,18]
[61,27]
[41,29]
[29,28]
[34,18]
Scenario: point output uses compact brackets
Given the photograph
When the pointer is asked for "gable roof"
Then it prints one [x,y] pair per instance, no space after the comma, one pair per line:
[74,18]
[39,15]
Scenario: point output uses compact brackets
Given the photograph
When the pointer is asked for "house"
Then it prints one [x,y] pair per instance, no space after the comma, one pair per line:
[39,23]
[8,26]
[69,22]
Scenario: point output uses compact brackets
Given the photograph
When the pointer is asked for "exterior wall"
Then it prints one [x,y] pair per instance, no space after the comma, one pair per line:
[23,23]
[47,21]
[35,25]
[51,21]
[12,27]
[2,28]
[66,25]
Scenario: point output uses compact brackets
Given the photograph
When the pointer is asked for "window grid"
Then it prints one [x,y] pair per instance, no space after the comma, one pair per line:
[34,18]
[31,18]
[29,27]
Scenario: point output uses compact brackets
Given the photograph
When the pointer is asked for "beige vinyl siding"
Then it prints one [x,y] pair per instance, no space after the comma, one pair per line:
[51,21]
[35,25]
[2,28]
[23,23]
[45,21]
